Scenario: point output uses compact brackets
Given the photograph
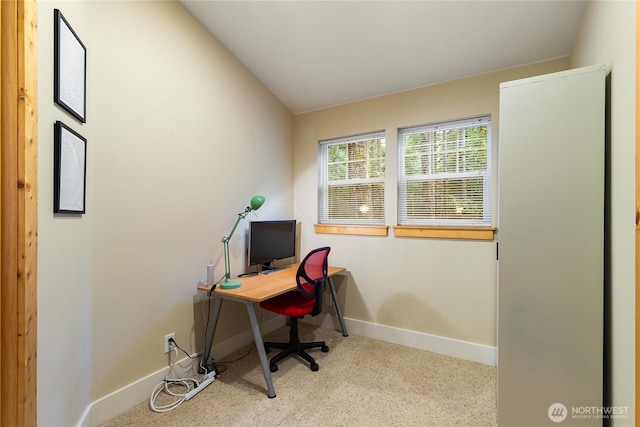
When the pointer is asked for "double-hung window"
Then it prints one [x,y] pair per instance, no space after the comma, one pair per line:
[444,174]
[351,181]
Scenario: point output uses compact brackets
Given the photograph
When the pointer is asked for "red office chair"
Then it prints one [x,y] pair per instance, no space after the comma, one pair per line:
[307,299]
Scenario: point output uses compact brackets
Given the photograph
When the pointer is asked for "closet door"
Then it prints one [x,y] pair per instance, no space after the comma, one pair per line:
[551,248]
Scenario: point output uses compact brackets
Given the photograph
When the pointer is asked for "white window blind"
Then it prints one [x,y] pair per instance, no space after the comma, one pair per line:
[351,180]
[444,174]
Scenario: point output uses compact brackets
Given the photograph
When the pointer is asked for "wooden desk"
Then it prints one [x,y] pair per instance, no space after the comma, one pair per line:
[255,289]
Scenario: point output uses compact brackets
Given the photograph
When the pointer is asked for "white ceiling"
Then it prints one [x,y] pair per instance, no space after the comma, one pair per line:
[316,54]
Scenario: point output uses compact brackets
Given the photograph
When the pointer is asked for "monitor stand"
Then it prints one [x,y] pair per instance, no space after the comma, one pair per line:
[268,268]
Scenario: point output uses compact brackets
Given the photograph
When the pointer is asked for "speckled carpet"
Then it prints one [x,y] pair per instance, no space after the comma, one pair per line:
[361,382]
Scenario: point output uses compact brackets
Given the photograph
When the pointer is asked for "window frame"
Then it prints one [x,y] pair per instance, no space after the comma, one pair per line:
[486,175]
[324,183]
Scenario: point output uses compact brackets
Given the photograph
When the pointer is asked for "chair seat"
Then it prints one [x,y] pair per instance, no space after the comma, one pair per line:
[292,304]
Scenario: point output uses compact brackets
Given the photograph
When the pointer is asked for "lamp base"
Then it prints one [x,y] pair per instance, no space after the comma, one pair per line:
[229,285]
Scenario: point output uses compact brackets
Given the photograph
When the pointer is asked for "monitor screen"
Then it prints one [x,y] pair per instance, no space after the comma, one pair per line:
[271,240]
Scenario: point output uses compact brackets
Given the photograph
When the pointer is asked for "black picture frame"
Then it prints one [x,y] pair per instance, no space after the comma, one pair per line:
[69,170]
[69,69]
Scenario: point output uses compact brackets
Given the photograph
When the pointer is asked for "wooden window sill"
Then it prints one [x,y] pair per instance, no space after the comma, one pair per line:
[361,230]
[470,233]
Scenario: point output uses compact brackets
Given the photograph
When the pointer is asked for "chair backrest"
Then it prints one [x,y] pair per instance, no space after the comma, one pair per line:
[312,274]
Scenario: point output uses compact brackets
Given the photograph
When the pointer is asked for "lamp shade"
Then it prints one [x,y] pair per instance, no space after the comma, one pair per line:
[256,202]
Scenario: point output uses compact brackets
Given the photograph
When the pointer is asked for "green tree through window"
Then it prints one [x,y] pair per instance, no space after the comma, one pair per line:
[352,172]
[444,175]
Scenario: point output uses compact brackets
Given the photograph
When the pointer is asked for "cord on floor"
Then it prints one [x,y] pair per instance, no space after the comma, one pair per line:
[169,385]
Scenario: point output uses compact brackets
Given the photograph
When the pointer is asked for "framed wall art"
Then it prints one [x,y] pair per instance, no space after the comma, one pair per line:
[69,69]
[69,170]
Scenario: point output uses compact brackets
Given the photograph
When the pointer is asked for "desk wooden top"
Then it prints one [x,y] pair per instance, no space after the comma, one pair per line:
[264,286]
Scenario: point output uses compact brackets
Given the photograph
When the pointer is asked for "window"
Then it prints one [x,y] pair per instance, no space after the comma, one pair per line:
[351,182]
[445,174]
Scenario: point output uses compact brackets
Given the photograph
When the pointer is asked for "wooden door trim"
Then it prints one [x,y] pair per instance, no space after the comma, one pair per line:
[19,207]
[637,257]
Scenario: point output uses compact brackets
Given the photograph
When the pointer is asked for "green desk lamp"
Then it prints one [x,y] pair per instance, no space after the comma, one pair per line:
[254,205]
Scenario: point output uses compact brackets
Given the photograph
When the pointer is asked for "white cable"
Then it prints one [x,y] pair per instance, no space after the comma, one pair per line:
[188,383]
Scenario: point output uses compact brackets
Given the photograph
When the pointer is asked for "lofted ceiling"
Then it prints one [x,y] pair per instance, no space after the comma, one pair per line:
[316,54]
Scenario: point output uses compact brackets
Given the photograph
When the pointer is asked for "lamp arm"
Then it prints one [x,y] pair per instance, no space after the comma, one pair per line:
[254,204]
[225,243]
[241,216]
[227,266]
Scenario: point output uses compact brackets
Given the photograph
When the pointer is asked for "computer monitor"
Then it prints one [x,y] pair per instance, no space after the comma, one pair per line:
[270,241]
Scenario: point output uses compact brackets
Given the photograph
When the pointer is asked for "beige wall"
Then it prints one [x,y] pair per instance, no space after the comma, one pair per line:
[607,36]
[441,287]
[180,137]
[65,261]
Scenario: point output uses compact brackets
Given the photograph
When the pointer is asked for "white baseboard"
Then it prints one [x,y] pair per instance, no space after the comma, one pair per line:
[119,401]
[449,346]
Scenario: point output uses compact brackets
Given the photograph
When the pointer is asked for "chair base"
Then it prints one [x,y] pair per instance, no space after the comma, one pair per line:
[294,346]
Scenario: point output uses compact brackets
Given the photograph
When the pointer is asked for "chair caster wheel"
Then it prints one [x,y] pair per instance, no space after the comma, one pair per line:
[325,349]
[314,367]
[273,367]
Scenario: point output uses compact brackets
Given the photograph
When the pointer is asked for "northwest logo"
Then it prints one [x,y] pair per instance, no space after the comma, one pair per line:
[557,412]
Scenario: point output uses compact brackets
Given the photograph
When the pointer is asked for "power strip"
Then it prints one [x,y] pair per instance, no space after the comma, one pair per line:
[209,378]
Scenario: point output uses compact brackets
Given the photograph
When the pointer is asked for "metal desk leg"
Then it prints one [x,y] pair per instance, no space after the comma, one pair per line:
[211,329]
[337,306]
[260,346]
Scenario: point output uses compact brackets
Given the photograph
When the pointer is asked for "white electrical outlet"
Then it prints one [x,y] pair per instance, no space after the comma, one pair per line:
[167,345]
